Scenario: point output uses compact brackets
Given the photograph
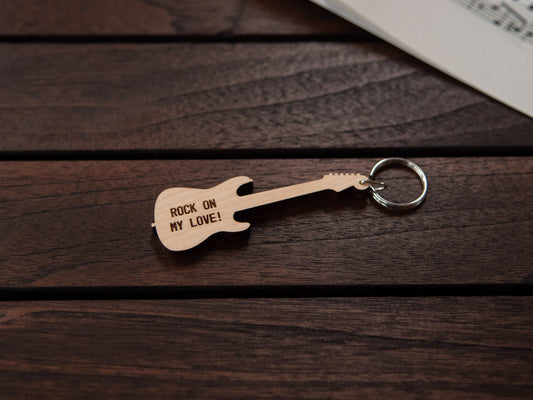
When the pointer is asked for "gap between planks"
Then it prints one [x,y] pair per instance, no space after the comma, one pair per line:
[256,292]
[244,154]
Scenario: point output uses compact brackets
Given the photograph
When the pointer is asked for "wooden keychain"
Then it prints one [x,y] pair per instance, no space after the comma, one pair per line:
[185,217]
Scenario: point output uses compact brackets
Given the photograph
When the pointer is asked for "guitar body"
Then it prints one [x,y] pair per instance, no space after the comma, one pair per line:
[185,217]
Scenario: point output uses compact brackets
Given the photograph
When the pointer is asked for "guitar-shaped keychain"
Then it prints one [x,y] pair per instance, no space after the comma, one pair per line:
[185,217]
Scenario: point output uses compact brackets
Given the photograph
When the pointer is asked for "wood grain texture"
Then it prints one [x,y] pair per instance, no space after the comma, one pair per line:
[201,96]
[87,223]
[432,348]
[168,17]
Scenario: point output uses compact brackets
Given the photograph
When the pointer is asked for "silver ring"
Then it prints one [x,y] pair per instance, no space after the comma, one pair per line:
[390,204]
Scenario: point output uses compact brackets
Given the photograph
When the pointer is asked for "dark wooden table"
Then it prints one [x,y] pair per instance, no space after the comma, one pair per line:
[106,103]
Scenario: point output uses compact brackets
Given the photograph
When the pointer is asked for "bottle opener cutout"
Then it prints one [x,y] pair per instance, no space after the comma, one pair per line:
[185,217]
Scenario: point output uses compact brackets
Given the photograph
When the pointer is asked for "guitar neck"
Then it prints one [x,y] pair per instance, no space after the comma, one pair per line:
[283,193]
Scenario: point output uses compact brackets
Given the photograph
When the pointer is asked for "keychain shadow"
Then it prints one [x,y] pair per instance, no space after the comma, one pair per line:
[217,242]
[329,201]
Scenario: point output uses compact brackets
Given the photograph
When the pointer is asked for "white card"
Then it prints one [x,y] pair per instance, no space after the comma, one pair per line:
[487,44]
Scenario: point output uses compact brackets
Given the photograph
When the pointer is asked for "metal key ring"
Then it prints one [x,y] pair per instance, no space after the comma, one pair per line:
[390,204]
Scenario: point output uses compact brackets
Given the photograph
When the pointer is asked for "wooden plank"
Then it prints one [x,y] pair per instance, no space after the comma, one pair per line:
[167,17]
[87,223]
[402,348]
[191,96]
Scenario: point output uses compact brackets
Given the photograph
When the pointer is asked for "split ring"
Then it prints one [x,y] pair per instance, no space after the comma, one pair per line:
[391,205]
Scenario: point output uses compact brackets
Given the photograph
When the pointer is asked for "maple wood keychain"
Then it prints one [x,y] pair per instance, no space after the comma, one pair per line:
[185,217]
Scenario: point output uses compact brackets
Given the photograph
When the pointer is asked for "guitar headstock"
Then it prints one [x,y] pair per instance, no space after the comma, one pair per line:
[342,181]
